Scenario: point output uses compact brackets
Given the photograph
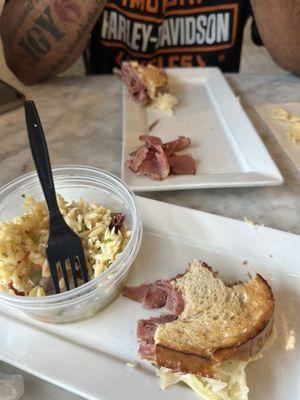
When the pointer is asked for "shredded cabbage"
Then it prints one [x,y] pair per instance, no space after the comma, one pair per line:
[231,385]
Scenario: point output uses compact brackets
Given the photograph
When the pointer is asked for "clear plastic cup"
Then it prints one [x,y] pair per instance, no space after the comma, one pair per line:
[93,185]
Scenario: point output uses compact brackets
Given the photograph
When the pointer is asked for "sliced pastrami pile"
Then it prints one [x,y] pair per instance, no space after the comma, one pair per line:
[156,295]
[158,160]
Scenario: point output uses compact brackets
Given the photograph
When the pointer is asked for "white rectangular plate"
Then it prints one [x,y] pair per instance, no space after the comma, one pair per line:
[89,357]
[227,149]
[279,129]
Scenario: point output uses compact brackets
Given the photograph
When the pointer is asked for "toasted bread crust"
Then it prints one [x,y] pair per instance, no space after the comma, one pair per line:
[154,74]
[246,350]
[260,332]
[255,341]
[183,362]
[192,364]
[245,346]
[155,79]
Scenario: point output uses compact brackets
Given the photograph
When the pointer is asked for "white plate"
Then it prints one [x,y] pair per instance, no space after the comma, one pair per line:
[225,145]
[89,357]
[279,128]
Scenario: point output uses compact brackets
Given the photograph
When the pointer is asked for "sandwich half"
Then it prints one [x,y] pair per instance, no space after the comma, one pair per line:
[211,332]
[147,85]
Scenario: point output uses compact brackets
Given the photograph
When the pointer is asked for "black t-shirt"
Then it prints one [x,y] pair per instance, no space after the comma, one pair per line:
[169,33]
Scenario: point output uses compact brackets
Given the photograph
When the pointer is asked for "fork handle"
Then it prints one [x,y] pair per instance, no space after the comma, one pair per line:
[40,155]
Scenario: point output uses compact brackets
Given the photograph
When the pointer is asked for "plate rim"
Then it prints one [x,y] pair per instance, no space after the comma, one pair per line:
[260,178]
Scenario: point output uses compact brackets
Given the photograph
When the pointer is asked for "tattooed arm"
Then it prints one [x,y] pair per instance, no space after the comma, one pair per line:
[42,38]
[278,23]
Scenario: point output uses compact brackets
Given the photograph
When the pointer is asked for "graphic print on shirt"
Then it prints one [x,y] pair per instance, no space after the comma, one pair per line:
[170,32]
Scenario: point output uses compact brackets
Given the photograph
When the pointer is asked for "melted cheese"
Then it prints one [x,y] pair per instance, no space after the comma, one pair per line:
[165,103]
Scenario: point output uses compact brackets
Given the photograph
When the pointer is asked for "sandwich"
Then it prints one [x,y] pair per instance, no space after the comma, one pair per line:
[147,85]
[210,332]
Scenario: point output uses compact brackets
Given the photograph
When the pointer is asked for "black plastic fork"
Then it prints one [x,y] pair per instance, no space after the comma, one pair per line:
[63,245]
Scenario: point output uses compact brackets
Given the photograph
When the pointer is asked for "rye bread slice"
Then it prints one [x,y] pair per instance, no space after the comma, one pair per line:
[219,322]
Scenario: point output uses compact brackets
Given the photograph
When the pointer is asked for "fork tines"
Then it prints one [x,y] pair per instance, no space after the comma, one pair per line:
[66,265]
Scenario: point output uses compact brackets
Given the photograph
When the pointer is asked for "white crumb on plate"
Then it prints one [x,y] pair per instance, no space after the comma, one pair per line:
[165,103]
[292,121]
[249,221]
[132,364]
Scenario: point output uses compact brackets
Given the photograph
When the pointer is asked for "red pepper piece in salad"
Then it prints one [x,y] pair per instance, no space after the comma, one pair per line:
[117,221]
[11,287]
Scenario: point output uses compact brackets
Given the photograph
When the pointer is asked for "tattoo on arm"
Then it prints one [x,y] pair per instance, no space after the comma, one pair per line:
[35,43]
[83,28]
[39,39]
[20,20]
[45,21]
[67,10]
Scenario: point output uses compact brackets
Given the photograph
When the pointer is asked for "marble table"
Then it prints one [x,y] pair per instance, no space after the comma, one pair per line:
[82,119]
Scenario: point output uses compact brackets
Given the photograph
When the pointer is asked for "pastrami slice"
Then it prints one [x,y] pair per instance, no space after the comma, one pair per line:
[156,295]
[182,164]
[139,156]
[174,299]
[157,167]
[151,141]
[145,333]
[136,293]
[176,145]
[134,82]
[155,298]
[146,327]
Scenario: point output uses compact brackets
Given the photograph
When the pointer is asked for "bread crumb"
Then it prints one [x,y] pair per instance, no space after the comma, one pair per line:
[165,103]
[280,114]
[293,122]
[249,221]
[293,133]
[153,125]
[132,364]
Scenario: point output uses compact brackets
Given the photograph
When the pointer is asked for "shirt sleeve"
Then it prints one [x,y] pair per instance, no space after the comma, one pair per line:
[255,34]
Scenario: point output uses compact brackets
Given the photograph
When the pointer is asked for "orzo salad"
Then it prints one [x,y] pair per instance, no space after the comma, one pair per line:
[24,269]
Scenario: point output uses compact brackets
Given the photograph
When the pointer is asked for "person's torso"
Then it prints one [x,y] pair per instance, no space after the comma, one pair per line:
[169,33]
